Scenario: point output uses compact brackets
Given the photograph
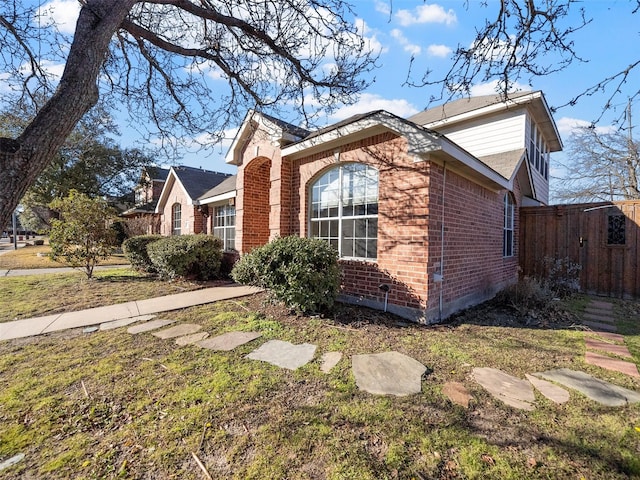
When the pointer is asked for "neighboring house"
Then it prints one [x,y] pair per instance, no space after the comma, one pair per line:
[178,203]
[146,194]
[423,212]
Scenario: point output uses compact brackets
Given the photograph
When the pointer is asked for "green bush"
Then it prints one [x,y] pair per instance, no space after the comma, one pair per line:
[192,256]
[301,272]
[135,250]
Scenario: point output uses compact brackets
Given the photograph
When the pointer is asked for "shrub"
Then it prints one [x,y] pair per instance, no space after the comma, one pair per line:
[39,241]
[229,259]
[82,236]
[563,276]
[135,250]
[303,273]
[192,256]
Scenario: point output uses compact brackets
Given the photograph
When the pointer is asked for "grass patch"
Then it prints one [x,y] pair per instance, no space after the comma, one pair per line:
[31,295]
[151,404]
[30,257]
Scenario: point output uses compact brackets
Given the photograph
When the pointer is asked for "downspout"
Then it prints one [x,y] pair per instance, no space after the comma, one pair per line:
[444,184]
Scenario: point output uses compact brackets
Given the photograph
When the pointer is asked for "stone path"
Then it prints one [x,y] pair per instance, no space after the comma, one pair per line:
[605,348]
[392,373]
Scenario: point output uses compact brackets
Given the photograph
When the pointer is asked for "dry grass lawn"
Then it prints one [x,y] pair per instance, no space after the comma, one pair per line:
[114,405]
[37,256]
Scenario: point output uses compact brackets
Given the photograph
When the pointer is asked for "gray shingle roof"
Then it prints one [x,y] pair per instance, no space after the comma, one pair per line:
[504,163]
[197,181]
[226,186]
[460,106]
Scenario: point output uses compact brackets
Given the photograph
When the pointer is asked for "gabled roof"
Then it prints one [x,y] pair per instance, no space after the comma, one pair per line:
[193,181]
[280,132]
[157,173]
[505,163]
[465,109]
[224,190]
[422,143]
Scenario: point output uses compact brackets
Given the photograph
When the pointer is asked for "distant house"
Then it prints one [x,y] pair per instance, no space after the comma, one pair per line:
[146,194]
[179,205]
[423,211]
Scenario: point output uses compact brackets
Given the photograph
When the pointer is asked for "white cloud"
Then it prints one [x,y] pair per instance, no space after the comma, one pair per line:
[441,51]
[491,88]
[567,126]
[369,102]
[428,13]
[412,48]
[62,13]
[383,6]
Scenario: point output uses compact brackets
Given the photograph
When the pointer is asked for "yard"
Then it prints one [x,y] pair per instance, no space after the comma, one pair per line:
[114,405]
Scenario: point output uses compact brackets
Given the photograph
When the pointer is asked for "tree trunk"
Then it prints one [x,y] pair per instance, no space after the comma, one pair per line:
[23,159]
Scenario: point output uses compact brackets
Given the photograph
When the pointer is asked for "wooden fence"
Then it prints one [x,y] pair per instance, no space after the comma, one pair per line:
[603,238]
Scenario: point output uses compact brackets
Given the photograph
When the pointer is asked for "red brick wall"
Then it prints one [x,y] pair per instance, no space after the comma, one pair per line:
[255,205]
[191,218]
[473,268]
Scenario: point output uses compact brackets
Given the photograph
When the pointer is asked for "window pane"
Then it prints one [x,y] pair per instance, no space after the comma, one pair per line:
[372,249]
[360,248]
[347,248]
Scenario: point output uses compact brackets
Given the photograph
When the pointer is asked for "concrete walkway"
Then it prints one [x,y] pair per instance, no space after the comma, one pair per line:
[95,316]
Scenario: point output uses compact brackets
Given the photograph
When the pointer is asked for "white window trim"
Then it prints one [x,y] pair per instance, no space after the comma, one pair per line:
[340,218]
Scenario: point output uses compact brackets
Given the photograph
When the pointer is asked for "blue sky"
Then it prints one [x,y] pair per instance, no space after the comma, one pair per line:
[430,32]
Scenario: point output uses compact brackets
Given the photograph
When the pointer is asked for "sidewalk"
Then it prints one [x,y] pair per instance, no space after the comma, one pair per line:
[94,316]
[18,272]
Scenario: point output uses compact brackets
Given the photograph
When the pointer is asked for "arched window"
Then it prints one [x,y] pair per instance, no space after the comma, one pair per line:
[508,239]
[344,210]
[176,219]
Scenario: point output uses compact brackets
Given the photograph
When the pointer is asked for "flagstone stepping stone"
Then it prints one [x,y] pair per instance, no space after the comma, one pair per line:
[614,348]
[457,393]
[612,337]
[614,364]
[191,339]
[388,373]
[600,327]
[553,392]
[228,341]
[284,354]
[90,329]
[178,331]
[330,360]
[506,388]
[124,322]
[601,305]
[148,326]
[10,462]
[598,390]
[604,318]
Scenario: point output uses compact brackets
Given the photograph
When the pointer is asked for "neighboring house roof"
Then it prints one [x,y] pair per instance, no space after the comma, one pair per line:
[224,190]
[149,207]
[465,109]
[193,181]
[157,173]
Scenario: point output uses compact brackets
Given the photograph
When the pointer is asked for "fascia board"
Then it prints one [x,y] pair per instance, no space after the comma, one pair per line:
[233,155]
[496,107]
[217,198]
[419,140]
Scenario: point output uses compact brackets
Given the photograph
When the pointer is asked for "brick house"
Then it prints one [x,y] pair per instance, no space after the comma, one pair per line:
[147,193]
[426,207]
[178,204]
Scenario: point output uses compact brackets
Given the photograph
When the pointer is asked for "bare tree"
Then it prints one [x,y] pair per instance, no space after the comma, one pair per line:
[523,39]
[600,167]
[158,55]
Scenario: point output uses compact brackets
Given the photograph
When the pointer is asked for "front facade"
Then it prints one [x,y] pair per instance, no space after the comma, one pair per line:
[424,224]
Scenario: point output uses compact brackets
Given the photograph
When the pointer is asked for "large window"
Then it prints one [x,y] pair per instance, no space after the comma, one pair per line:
[509,209]
[176,219]
[344,210]
[538,150]
[224,226]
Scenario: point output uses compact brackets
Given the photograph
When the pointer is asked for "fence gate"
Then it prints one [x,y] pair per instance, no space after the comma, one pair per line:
[603,238]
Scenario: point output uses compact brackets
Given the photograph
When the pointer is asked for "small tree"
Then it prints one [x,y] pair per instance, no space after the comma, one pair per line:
[82,237]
